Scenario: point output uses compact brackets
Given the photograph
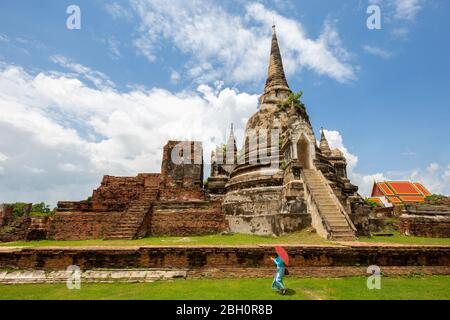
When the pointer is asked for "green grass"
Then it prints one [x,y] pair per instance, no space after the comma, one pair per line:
[399,239]
[303,237]
[354,288]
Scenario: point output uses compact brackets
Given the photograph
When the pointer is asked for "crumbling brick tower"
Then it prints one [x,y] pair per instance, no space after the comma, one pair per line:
[168,203]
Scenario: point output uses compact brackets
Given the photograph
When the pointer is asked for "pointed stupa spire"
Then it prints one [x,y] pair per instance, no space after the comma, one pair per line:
[231,147]
[276,77]
[231,131]
[324,146]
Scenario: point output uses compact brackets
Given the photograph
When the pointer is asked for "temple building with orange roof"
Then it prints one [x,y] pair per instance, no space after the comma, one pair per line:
[390,193]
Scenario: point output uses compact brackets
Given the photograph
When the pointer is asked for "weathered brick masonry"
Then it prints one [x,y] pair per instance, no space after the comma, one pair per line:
[246,261]
[426,221]
[82,225]
[187,218]
[172,202]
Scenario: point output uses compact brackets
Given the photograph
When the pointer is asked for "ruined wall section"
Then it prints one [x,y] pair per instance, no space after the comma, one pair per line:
[187,219]
[182,171]
[115,193]
[82,225]
[425,221]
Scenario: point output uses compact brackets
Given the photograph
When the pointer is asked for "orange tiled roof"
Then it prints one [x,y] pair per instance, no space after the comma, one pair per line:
[398,192]
[385,189]
[403,187]
[394,200]
[377,200]
[412,198]
[422,189]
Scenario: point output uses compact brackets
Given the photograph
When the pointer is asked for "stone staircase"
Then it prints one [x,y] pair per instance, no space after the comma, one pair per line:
[338,224]
[132,219]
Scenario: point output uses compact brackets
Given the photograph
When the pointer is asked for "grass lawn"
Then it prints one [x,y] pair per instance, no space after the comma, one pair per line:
[399,239]
[354,288]
[301,237]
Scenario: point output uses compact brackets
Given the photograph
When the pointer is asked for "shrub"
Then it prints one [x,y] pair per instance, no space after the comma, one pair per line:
[294,100]
[437,199]
[372,204]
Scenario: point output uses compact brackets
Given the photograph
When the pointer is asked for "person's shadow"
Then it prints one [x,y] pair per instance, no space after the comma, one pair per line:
[290,292]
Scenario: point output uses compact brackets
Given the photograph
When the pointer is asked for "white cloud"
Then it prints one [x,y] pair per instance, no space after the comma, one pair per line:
[117,11]
[61,136]
[232,47]
[400,14]
[335,140]
[433,167]
[175,77]
[363,181]
[113,47]
[384,54]
[68,167]
[434,177]
[34,170]
[99,79]
[407,9]
[3,157]
[4,38]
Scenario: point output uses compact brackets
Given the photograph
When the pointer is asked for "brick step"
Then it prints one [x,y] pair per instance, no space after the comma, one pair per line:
[322,193]
[341,233]
[330,209]
[327,204]
[315,182]
[323,196]
[339,225]
[335,219]
[331,214]
[344,228]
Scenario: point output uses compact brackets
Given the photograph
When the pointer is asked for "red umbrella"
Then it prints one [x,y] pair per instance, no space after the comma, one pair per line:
[283,254]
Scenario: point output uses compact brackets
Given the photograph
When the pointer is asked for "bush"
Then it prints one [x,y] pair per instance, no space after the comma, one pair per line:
[372,204]
[294,100]
[437,199]
[40,208]
[18,209]
[37,210]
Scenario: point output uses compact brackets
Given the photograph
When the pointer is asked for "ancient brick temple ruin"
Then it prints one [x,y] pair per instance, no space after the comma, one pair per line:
[309,184]
[172,202]
[280,181]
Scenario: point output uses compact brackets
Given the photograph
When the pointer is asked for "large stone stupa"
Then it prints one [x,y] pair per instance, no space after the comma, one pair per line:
[285,185]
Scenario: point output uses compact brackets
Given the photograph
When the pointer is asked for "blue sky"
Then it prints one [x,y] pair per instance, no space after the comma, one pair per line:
[77,104]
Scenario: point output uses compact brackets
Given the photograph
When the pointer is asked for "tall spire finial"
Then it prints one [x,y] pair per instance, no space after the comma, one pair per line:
[276,77]
[324,146]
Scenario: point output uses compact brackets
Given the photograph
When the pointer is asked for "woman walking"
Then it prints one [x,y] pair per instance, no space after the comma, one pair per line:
[277,283]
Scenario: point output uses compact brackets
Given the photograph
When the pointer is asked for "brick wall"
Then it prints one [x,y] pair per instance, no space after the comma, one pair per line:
[81,225]
[226,258]
[186,223]
[115,193]
[423,226]
[425,221]
[182,181]
[6,213]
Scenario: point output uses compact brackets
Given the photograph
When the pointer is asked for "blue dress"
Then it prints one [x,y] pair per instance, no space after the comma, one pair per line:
[278,280]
